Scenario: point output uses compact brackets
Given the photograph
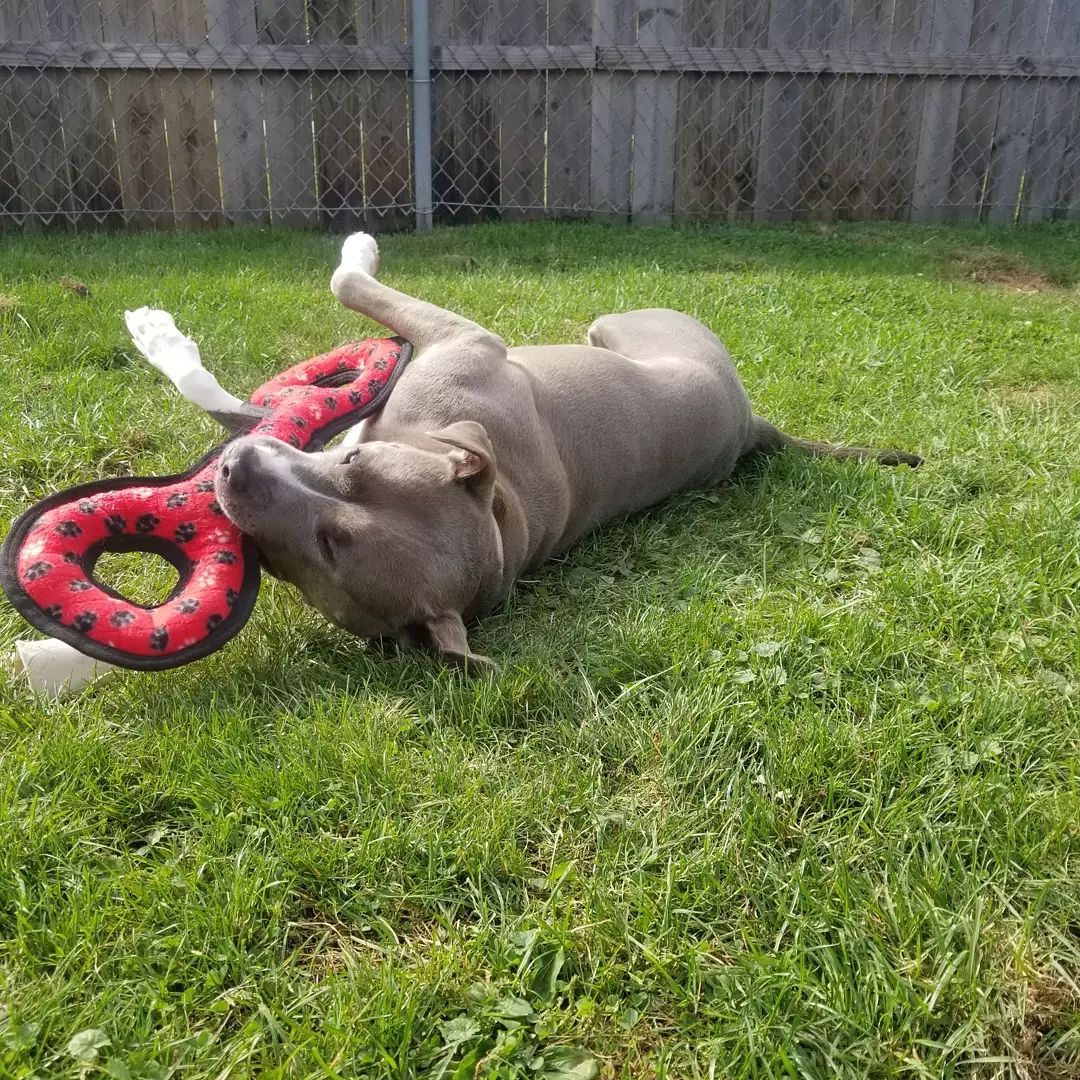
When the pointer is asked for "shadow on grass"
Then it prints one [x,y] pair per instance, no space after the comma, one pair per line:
[1047,249]
[667,555]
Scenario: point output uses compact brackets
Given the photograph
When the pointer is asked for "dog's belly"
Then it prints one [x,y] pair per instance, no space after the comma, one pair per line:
[629,433]
[582,434]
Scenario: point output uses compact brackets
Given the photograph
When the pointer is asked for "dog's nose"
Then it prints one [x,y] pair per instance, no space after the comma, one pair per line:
[237,466]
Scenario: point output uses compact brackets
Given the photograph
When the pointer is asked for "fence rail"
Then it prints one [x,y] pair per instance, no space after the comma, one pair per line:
[183,113]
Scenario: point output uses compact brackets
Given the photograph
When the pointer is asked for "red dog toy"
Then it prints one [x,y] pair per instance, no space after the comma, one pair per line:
[47,562]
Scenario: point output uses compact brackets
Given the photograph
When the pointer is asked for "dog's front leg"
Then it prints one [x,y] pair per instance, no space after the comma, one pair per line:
[176,356]
[422,324]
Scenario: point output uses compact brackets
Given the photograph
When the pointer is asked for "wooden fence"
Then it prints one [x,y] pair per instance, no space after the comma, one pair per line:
[162,113]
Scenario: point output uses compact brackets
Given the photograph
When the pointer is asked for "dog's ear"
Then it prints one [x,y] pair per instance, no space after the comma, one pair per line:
[445,635]
[471,454]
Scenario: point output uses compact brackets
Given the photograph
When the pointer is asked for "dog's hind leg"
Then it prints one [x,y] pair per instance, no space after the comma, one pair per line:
[176,356]
[659,333]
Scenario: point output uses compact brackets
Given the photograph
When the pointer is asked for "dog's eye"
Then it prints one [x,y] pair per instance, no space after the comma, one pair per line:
[326,545]
[349,458]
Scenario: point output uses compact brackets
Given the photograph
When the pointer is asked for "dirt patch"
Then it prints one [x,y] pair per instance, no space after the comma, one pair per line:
[1038,396]
[1050,1003]
[79,288]
[999,269]
[325,945]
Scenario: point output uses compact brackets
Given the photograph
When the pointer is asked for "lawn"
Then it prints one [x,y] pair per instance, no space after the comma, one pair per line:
[781,779]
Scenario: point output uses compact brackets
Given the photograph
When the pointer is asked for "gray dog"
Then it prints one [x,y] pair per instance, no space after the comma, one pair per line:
[484,462]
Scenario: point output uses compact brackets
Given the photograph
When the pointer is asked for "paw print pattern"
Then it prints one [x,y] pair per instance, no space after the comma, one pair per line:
[37,570]
[121,618]
[188,607]
[54,611]
[68,528]
[204,486]
[159,638]
[294,440]
[80,586]
[87,507]
[147,523]
[115,524]
[215,508]
[214,621]
[185,532]
[84,622]
[299,421]
[355,397]
[226,557]
[177,499]
[330,401]
[231,596]
[72,558]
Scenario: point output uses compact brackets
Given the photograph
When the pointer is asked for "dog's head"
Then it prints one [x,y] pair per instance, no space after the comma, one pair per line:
[385,538]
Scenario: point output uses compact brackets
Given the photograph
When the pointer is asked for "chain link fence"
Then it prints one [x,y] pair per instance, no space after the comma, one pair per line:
[163,113]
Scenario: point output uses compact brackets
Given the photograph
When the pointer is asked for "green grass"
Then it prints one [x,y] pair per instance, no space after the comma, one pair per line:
[781,779]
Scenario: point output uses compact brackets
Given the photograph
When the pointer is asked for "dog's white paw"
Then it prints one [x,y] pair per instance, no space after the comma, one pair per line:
[155,335]
[360,252]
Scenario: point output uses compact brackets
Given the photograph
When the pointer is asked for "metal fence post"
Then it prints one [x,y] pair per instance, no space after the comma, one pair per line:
[421,91]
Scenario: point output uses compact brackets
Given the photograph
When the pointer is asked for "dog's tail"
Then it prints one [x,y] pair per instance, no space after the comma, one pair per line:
[768,440]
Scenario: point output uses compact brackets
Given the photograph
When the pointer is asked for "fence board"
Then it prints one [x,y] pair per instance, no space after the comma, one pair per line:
[387,147]
[1016,114]
[896,145]
[950,28]
[290,149]
[519,103]
[466,152]
[338,150]
[1060,180]
[387,155]
[94,171]
[977,120]
[37,136]
[35,128]
[625,59]
[188,109]
[238,116]
[569,111]
[611,126]
[12,205]
[138,122]
[656,104]
[287,108]
[1068,193]
[715,149]
[521,145]
[1049,139]
[569,144]
[974,136]
[82,99]
[782,107]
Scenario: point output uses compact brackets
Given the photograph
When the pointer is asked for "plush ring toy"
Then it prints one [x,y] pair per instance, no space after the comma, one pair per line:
[47,561]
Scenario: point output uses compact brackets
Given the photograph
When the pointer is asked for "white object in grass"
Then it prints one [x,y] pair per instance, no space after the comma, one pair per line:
[53,668]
